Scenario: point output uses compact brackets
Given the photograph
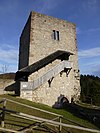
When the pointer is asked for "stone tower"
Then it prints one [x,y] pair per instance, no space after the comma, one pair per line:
[48,60]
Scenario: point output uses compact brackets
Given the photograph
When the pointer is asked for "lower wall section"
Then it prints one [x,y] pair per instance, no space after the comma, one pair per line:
[27,95]
[50,94]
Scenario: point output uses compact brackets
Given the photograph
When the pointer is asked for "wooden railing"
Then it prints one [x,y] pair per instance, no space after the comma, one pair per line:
[39,119]
[2,114]
[24,116]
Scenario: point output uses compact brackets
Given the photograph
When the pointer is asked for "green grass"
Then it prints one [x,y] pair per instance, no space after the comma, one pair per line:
[86,105]
[19,123]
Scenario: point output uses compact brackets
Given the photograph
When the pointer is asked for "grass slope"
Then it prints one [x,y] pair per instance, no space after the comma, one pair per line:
[20,124]
[7,76]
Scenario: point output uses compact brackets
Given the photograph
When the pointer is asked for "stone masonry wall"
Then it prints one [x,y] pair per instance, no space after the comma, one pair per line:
[41,44]
[24,46]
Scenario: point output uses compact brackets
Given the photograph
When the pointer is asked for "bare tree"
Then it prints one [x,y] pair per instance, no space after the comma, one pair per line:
[4,71]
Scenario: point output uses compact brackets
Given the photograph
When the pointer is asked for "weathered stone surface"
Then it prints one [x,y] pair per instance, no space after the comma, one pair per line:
[37,42]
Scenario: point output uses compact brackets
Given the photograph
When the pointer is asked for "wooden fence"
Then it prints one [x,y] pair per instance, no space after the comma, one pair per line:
[34,118]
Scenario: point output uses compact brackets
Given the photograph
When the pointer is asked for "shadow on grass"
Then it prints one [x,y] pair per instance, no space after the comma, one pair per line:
[13,95]
[40,127]
[92,115]
[26,127]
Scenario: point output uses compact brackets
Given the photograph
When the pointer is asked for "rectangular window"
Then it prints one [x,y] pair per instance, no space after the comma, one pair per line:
[56,35]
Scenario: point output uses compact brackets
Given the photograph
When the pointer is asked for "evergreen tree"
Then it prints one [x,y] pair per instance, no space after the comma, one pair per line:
[90,89]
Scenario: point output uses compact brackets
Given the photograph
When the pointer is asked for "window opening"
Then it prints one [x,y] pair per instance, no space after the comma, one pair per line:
[56,35]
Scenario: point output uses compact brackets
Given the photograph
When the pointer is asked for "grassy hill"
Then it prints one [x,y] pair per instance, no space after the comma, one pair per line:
[7,76]
[6,80]
[80,114]
[15,123]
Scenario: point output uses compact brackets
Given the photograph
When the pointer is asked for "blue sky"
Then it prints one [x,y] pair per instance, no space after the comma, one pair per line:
[84,13]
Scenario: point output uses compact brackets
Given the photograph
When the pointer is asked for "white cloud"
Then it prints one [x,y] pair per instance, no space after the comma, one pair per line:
[89,61]
[94,52]
[88,31]
[93,69]
[90,6]
[48,6]
[8,56]
[91,3]
[93,29]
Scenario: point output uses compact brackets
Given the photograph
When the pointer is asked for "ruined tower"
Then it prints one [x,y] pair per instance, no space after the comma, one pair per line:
[48,60]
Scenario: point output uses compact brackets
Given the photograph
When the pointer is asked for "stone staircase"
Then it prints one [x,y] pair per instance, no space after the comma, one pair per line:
[48,76]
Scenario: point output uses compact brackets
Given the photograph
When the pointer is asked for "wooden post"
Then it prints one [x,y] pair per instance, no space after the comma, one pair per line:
[68,130]
[3,113]
[60,127]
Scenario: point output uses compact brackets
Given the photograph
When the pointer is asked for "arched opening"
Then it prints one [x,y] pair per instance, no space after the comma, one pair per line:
[61,102]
